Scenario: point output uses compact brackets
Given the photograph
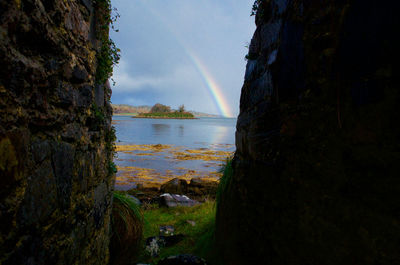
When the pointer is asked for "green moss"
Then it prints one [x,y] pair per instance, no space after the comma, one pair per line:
[18,3]
[8,158]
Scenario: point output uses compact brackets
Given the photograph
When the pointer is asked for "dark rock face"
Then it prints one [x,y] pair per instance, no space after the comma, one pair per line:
[55,182]
[316,171]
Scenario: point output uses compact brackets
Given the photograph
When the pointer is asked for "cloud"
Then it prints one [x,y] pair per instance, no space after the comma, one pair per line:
[155,37]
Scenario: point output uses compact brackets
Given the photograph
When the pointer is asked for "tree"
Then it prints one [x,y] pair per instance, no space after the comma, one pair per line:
[181,108]
[160,108]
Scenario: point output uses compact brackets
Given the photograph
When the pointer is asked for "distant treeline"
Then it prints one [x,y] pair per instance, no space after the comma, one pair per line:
[167,115]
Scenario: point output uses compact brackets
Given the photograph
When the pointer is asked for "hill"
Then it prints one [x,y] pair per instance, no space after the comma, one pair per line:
[128,109]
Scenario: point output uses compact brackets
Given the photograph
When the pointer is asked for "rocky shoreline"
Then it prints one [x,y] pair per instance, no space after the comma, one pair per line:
[171,193]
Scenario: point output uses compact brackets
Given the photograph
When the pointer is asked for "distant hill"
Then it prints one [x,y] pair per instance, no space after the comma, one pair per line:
[202,114]
[123,108]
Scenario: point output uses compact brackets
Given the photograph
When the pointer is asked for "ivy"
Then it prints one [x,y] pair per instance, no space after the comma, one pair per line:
[254,9]
[109,54]
[112,168]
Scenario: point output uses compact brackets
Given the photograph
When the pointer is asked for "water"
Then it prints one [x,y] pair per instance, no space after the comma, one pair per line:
[191,148]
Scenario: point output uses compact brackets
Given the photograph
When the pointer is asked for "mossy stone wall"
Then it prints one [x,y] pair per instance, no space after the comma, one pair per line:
[56,172]
[316,171]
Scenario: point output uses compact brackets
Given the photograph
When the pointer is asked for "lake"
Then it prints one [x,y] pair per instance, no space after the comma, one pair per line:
[152,151]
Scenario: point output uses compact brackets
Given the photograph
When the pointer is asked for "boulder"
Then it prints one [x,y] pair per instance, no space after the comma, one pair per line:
[155,243]
[136,200]
[200,187]
[167,230]
[173,200]
[182,259]
[176,185]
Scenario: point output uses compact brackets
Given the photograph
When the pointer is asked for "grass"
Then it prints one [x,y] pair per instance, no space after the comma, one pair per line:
[127,228]
[227,173]
[198,240]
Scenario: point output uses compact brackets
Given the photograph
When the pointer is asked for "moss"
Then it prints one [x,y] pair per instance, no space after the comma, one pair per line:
[7,155]
[18,3]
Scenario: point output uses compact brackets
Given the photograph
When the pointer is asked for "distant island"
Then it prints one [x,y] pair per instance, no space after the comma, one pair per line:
[160,111]
[144,111]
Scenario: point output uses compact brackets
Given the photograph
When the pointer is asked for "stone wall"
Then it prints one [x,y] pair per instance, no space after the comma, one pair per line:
[56,171]
[316,171]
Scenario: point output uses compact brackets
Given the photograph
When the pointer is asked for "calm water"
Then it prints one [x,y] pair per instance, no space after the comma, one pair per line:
[215,134]
[190,133]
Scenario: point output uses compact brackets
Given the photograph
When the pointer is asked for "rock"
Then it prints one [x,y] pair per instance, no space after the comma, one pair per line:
[79,75]
[99,95]
[136,200]
[173,200]
[193,223]
[182,259]
[155,243]
[167,230]
[201,187]
[55,179]
[176,185]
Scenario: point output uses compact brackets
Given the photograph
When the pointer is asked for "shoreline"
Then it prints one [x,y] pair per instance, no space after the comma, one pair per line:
[166,118]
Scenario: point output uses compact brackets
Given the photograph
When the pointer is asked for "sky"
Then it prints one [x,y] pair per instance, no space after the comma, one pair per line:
[187,52]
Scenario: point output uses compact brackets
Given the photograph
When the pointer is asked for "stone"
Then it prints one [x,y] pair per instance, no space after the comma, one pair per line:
[84,96]
[166,230]
[198,186]
[79,75]
[315,118]
[136,200]
[173,200]
[250,67]
[192,223]
[99,95]
[176,185]
[40,199]
[182,259]
[154,244]
[63,162]
[55,184]
[41,150]
[65,94]
[72,132]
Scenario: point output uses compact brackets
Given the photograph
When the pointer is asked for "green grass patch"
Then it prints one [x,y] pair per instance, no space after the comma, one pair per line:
[227,173]
[199,239]
[126,227]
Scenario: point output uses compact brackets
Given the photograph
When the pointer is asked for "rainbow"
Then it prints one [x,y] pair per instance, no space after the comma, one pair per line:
[212,86]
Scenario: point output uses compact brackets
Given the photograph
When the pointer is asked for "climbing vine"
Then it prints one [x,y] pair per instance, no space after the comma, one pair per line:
[254,9]
[109,54]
